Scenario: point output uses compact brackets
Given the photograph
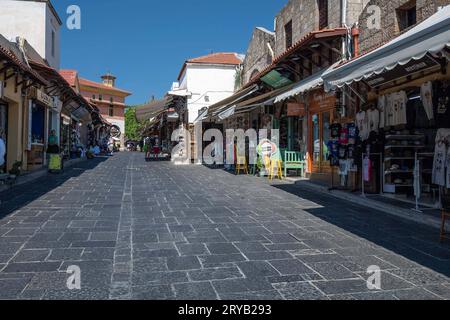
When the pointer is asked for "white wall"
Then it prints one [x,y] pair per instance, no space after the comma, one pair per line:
[33,21]
[215,81]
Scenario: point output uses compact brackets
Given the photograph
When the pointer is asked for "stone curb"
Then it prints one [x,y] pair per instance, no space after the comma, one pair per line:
[361,200]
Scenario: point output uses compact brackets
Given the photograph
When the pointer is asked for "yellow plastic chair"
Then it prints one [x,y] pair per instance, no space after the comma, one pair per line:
[276,165]
[241,165]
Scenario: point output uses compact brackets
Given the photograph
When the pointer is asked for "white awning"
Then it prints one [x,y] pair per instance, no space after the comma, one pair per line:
[180,93]
[430,36]
[227,113]
[201,116]
[306,84]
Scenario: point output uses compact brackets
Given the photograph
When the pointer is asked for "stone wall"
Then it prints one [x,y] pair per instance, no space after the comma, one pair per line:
[371,38]
[305,18]
[258,55]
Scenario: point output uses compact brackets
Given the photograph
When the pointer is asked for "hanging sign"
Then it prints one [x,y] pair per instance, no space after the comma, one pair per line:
[296,110]
[402,71]
[322,100]
[43,98]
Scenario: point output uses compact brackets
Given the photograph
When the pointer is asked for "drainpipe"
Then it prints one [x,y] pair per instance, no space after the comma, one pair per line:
[344,24]
[355,37]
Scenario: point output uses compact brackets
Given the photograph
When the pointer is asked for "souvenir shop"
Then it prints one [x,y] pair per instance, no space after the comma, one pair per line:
[403,95]
[333,141]
[38,128]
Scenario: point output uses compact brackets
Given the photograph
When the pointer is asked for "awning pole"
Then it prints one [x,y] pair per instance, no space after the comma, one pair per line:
[356,93]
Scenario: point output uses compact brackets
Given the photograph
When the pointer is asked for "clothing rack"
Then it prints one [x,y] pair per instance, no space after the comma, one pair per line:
[381,171]
[417,197]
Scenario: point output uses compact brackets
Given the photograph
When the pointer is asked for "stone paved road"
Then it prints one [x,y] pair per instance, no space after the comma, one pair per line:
[142,230]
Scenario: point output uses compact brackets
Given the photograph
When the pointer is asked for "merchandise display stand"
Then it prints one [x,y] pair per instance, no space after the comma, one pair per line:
[363,193]
[420,171]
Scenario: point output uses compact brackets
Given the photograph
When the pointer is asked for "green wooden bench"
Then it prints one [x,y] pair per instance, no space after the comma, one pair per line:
[293,160]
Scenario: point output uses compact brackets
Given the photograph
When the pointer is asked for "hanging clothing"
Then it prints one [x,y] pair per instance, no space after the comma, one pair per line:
[343,135]
[382,111]
[417,177]
[352,133]
[440,154]
[335,130]
[442,98]
[426,94]
[398,107]
[361,123]
[367,169]
[373,119]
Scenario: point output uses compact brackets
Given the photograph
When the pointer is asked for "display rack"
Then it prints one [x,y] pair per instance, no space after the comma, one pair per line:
[363,182]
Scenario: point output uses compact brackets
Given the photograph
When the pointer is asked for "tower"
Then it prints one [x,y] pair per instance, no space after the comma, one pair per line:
[109,80]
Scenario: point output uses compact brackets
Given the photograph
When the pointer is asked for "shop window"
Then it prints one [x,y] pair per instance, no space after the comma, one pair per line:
[316,138]
[37,124]
[323,14]
[325,135]
[406,15]
[288,34]
[111,111]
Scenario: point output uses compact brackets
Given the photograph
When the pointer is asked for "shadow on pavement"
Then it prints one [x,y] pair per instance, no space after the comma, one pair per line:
[20,196]
[414,241]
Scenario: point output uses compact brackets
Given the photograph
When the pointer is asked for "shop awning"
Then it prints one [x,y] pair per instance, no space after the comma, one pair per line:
[151,110]
[306,84]
[180,93]
[227,113]
[238,96]
[430,36]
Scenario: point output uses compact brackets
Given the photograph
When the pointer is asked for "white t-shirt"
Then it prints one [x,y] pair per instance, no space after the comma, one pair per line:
[382,110]
[398,105]
[2,152]
[426,94]
[363,127]
[373,120]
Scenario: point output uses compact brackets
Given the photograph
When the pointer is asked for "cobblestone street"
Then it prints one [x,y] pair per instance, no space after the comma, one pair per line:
[156,231]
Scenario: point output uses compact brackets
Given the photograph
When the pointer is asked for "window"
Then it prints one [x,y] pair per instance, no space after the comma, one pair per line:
[323,14]
[206,98]
[111,111]
[53,43]
[93,96]
[100,97]
[288,34]
[406,15]
[111,100]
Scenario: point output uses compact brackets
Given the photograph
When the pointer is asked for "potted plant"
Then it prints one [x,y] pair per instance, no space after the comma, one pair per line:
[16,169]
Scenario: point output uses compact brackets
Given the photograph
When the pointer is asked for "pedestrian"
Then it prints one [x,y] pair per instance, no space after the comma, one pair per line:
[53,145]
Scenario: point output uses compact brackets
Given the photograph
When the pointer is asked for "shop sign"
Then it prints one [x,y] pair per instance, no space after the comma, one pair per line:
[43,98]
[57,105]
[115,132]
[2,89]
[402,71]
[276,79]
[296,110]
[322,100]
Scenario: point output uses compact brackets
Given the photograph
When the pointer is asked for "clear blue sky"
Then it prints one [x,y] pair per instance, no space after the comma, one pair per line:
[145,42]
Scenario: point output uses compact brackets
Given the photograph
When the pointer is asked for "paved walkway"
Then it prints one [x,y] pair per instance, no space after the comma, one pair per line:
[142,230]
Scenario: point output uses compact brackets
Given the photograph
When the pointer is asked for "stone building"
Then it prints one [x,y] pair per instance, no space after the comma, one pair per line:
[300,17]
[396,17]
[259,53]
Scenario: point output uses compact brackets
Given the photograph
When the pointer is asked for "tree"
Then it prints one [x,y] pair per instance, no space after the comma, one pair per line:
[132,126]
